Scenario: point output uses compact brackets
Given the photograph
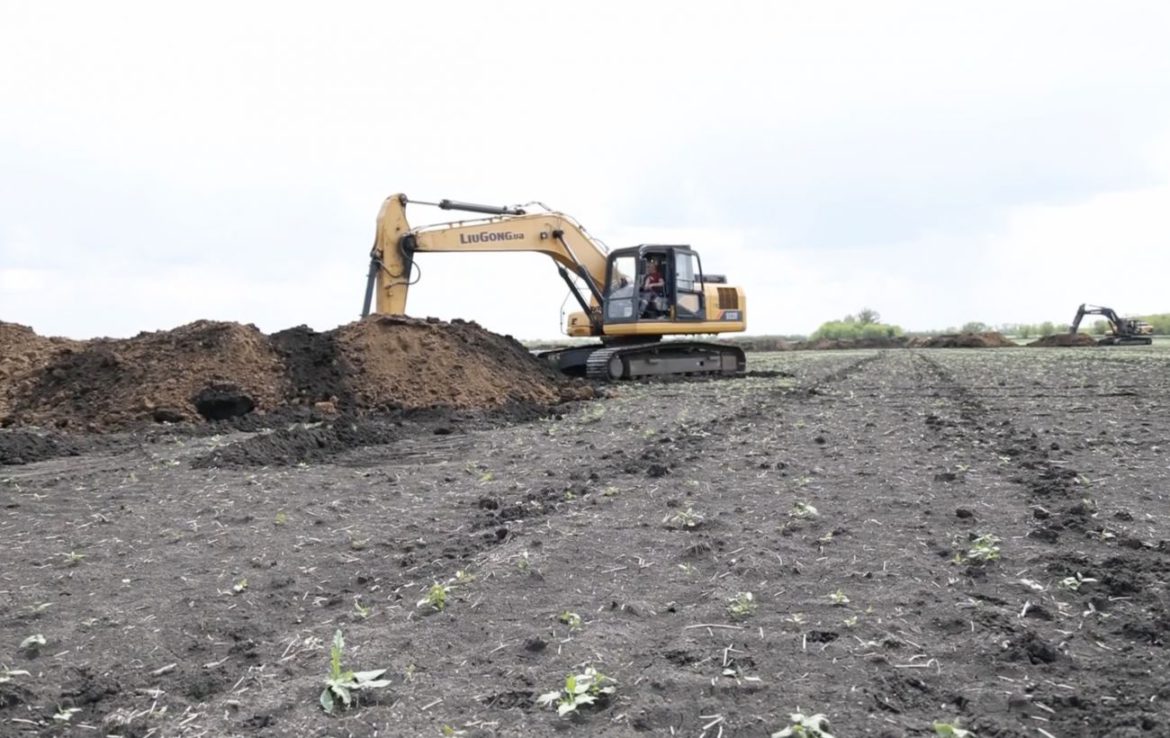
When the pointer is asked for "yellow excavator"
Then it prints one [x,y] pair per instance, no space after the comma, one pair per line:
[631,298]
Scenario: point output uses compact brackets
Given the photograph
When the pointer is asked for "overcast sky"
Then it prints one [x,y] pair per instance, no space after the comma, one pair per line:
[937,162]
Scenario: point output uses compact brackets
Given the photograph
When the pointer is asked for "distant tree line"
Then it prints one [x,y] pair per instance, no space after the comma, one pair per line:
[866,324]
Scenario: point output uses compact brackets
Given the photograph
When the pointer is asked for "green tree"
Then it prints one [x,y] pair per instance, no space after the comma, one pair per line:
[867,316]
[974,327]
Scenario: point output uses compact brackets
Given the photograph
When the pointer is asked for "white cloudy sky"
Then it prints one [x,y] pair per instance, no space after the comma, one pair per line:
[939,162]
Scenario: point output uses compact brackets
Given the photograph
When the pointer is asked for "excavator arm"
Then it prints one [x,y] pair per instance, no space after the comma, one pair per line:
[507,229]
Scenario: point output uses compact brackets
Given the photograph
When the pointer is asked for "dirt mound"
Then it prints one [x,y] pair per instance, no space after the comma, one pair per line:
[990,339]
[216,371]
[407,363]
[22,355]
[830,344]
[110,383]
[1065,339]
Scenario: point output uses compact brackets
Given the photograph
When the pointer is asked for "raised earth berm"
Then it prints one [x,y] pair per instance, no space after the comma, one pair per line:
[220,371]
[1065,339]
[407,363]
[830,344]
[108,384]
[988,339]
[22,355]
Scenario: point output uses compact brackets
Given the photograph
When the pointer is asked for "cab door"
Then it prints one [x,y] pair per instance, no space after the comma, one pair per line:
[687,287]
[621,294]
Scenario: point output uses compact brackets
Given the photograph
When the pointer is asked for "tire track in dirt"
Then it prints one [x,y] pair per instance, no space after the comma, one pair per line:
[1102,578]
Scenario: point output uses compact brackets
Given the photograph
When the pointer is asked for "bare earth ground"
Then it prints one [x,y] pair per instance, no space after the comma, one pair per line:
[182,594]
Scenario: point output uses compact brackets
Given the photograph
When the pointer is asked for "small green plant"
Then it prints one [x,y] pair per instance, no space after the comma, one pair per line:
[742,605]
[240,586]
[805,726]
[803,511]
[340,685]
[983,549]
[360,611]
[686,519]
[838,598]
[1073,584]
[463,577]
[580,689]
[571,619]
[281,518]
[436,597]
[950,730]
[73,558]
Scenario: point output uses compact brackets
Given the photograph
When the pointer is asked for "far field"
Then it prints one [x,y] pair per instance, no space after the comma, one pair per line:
[926,535]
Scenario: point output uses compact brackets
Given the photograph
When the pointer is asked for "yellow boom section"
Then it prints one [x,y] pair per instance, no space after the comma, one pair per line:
[551,233]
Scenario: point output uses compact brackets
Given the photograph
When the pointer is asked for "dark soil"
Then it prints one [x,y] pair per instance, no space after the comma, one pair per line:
[208,371]
[184,591]
[989,339]
[1065,339]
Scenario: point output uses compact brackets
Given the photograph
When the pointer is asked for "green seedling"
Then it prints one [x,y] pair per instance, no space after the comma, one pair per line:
[463,577]
[803,511]
[436,597]
[686,519]
[523,564]
[805,726]
[281,518]
[742,605]
[951,730]
[1073,584]
[240,586]
[73,558]
[983,549]
[340,685]
[361,611]
[838,598]
[580,689]
[571,619]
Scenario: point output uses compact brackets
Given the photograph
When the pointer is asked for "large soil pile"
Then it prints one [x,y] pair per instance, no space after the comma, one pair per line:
[405,363]
[110,383]
[22,355]
[217,370]
[1065,339]
[989,339]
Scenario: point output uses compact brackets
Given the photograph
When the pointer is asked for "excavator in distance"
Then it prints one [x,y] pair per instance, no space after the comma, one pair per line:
[631,299]
[1125,331]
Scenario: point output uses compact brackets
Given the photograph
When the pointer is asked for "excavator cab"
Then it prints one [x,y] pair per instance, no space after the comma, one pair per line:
[652,283]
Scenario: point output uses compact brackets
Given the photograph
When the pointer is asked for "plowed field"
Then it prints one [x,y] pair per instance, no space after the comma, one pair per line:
[926,535]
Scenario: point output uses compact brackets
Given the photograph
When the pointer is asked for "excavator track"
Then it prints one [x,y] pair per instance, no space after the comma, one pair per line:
[664,359]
